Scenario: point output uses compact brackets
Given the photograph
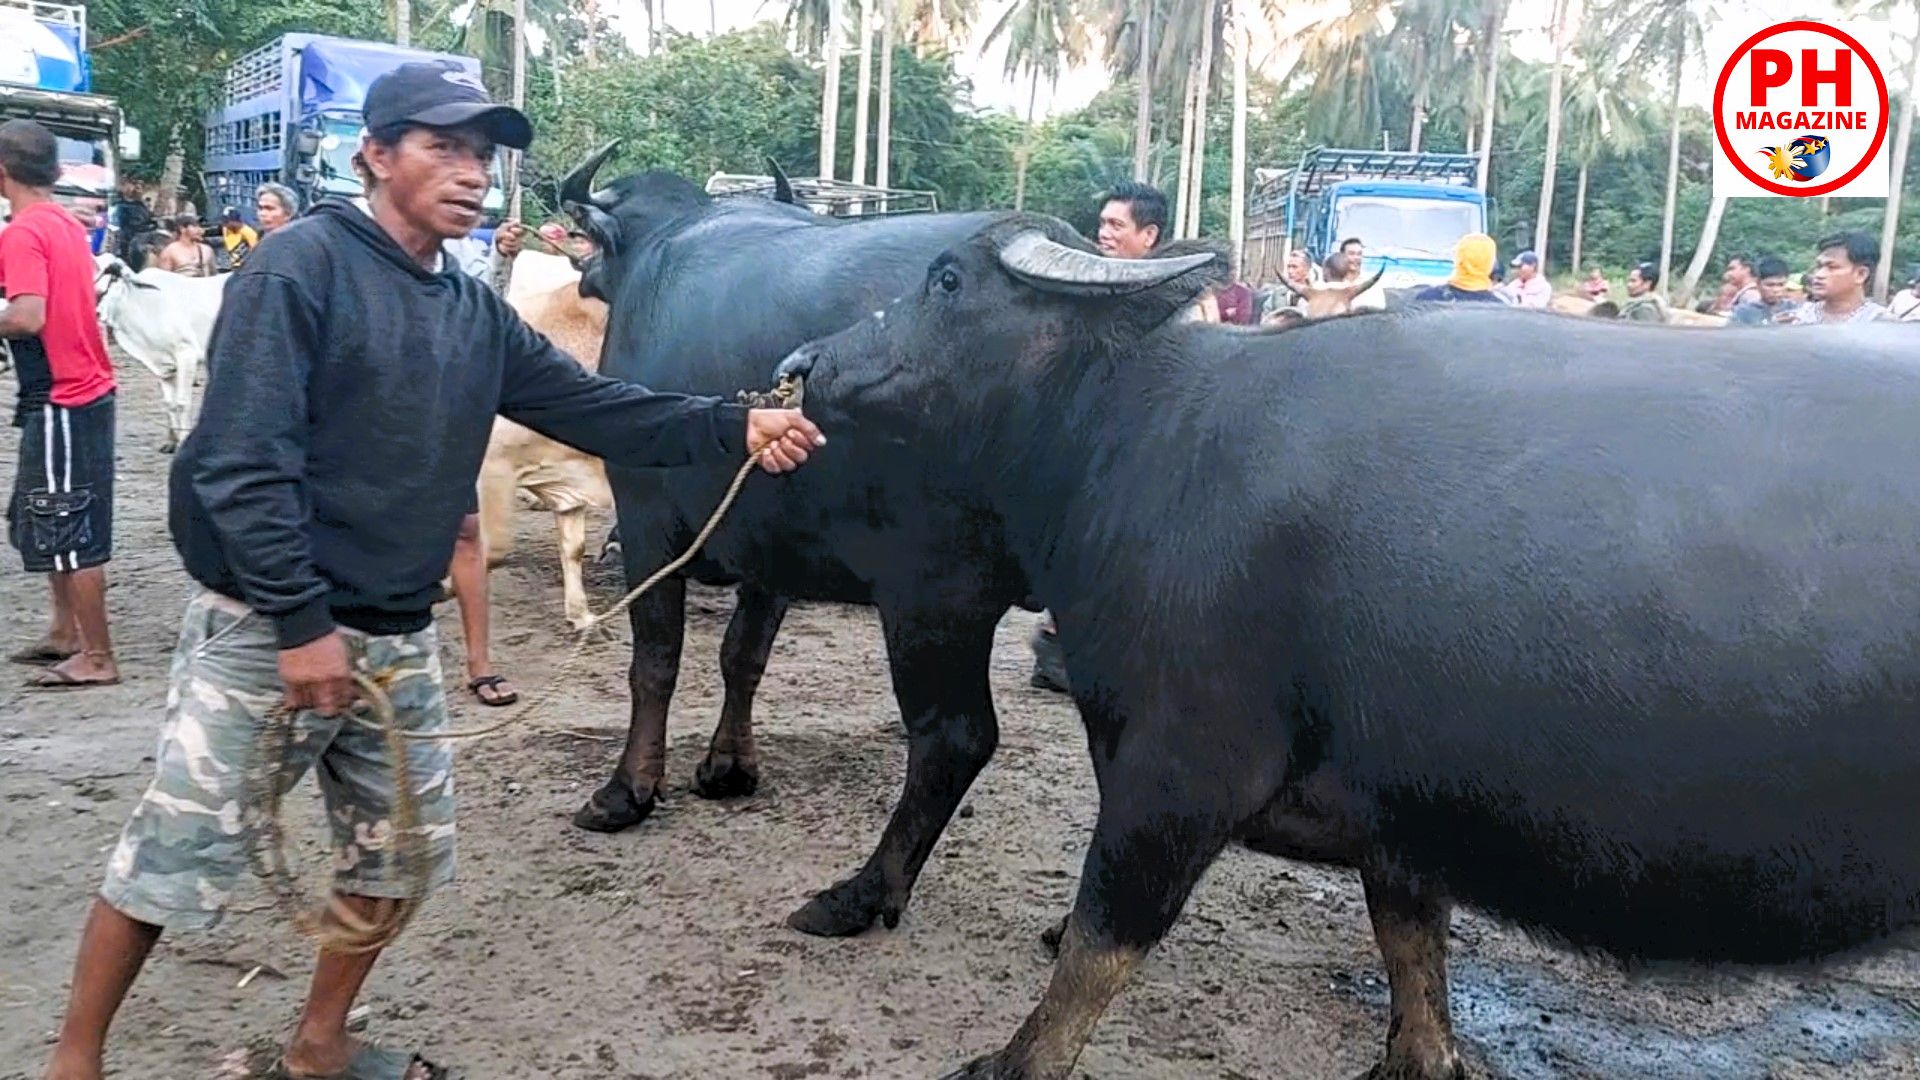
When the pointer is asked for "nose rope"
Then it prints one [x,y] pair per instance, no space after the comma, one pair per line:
[333,925]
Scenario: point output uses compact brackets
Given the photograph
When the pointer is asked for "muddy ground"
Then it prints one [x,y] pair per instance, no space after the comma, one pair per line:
[661,952]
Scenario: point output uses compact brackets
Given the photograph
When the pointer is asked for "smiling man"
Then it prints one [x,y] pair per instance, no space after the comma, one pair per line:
[354,377]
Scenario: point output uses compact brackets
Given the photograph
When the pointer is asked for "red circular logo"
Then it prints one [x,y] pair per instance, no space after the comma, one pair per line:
[1720,126]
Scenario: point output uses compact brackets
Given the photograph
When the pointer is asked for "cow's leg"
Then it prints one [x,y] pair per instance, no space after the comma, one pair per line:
[732,767]
[188,371]
[939,661]
[571,525]
[167,396]
[1162,823]
[658,620]
[1410,925]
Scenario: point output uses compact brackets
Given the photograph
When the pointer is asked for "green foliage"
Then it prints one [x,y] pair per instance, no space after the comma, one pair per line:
[164,59]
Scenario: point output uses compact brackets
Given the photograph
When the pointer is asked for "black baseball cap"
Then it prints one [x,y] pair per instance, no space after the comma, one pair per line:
[440,95]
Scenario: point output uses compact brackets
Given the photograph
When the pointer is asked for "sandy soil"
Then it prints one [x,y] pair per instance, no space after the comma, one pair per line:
[661,953]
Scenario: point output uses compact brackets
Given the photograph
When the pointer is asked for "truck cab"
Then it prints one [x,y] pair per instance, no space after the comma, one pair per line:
[1408,209]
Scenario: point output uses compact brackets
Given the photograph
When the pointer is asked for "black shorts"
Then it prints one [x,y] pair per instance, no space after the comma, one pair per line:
[61,514]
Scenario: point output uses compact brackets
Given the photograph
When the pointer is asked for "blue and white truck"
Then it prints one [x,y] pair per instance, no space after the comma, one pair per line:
[46,75]
[1408,208]
[289,113]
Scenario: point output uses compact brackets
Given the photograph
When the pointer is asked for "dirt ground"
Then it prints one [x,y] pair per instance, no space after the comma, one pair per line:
[661,952]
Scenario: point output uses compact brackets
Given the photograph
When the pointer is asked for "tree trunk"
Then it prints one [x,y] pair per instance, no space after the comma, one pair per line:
[1196,191]
[402,22]
[1703,254]
[589,46]
[1673,188]
[1237,189]
[1419,122]
[1495,19]
[1902,142]
[713,18]
[167,199]
[1143,93]
[830,96]
[1541,225]
[883,165]
[1026,146]
[1186,160]
[1579,218]
[519,102]
[863,99]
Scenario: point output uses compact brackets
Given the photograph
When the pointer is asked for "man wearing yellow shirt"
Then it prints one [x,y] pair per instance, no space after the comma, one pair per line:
[237,238]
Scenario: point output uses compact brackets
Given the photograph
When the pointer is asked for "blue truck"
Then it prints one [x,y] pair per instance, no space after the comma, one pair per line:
[46,75]
[1408,208]
[289,113]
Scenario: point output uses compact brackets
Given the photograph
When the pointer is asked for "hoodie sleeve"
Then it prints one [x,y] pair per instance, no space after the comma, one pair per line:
[250,479]
[548,391]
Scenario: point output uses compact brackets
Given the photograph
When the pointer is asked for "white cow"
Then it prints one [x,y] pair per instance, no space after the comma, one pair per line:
[558,478]
[163,320]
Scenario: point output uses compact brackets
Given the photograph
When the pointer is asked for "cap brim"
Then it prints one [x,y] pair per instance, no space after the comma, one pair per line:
[504,124]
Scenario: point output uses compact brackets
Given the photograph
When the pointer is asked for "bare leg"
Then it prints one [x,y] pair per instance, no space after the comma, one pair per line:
[939,660]
[1410,926]
[85,595]
[732,767]
[469,572]
[320,1044]
[63,630]
[113,948]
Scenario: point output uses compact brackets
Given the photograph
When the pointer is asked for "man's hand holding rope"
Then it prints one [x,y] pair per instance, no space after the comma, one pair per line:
[781,439]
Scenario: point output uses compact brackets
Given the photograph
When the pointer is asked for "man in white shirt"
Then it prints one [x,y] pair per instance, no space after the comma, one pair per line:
[1905,304]
[1527,288]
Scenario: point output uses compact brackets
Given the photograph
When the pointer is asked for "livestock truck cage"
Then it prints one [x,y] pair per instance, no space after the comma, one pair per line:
[833,198]
[1407,207]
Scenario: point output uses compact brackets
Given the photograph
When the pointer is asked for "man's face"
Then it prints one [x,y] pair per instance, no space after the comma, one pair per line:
[1738,274]
[271,214]
[1772,289]
[435,178]
[1353,250]
[1120,237]
[1525,271]
[1837,277]
[1637,285]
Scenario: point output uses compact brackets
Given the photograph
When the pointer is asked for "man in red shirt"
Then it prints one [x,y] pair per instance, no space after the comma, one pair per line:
[61,514]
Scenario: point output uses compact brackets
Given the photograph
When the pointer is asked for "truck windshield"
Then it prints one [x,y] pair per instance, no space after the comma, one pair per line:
[340,140]
[1407,226]
[85,168]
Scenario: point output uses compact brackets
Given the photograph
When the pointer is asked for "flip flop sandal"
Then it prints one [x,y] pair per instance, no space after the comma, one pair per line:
[492,682]
[52,679]
[39,656]
[371,1063]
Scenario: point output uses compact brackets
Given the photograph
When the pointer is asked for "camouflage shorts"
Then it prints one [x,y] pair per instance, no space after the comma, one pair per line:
[188,842]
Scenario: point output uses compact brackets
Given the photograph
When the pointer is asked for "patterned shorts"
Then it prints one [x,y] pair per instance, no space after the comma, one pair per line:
[188,842]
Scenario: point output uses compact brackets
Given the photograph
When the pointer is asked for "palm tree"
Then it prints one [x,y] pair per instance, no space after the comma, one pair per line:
[1495,18]
[1554,86]
[1601,116]
[1664,35]
[1131,37]
[931,24]
[1425,44]
[1043,36]
[1902,139]
[815,26]
[402,22]
[863,96]
[1345,53]
[1193,176]
[883,150]
[1241,43]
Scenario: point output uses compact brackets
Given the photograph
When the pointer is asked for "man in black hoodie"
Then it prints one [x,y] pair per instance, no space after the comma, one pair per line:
[353,379]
